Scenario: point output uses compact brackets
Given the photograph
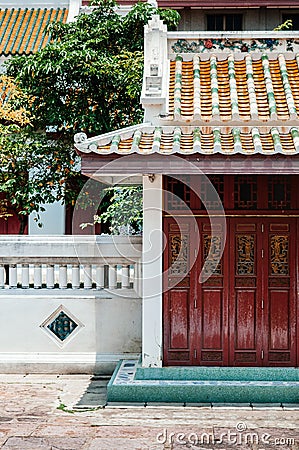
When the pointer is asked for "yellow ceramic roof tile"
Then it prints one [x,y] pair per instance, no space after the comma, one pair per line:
[24,31]
[205,140]
[225,88]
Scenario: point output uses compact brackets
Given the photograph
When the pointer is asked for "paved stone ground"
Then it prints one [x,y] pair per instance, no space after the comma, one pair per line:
[46,412]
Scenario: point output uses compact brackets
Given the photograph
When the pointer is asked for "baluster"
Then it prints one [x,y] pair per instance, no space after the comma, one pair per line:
[100,277]
[25,276]
[37,277]
[112,277]
[63,276]
[13,276]
[2,277]
[87,277]
[50,276]
[137,278]
[125,277]
[76,277]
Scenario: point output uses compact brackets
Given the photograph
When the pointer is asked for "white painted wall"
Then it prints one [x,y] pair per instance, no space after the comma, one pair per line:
[53,220]
[111,329]
[152,272]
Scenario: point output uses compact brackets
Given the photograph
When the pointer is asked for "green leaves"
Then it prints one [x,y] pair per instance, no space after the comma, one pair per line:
[89,77]
[34,168]
[124,211]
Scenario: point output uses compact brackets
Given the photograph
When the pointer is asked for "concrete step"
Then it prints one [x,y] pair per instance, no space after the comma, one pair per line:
[130,383]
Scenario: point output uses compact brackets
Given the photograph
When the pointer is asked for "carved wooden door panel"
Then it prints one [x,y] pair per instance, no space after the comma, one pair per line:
[179,323]
[246,275]
[279,313]
[263,295]
[211,312]
[239,310]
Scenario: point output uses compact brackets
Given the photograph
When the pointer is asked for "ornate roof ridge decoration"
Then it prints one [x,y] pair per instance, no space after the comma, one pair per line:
[233,44]
[24,30]
[146,139]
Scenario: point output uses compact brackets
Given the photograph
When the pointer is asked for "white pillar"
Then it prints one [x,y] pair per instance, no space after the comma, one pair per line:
[63,276]
[112,277]
[13,280]
[76,277]
[2,277]
[100,276]
[25,276]
[152,271]
[125,277]
[37,276]
[87,276]
[50,276]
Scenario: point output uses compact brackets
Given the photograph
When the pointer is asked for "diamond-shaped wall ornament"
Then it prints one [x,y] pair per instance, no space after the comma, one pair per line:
[61,325]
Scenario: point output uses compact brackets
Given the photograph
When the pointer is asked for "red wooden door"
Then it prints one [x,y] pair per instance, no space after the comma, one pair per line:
[246,294]
[244,312]
[263,295]
[179,286]
[279,313]
[211,296]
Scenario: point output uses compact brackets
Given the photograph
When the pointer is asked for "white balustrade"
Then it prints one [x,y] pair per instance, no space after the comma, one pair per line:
[125,277]
[25,276]
[13,279]
[63,276]
[58,262]
[112,277]
[50,276]
[87,277]
[2,277]
[100,277]
[76,277]
[37,276]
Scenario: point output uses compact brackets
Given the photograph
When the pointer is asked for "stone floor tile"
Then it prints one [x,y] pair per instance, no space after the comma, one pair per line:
[35,443]
[123,444]
[26,443]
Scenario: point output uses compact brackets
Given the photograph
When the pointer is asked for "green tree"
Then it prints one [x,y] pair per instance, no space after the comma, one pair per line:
[124,211]
[89,77]
[34,170]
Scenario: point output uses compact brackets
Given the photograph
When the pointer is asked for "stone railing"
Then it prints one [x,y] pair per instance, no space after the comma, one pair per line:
[74,262]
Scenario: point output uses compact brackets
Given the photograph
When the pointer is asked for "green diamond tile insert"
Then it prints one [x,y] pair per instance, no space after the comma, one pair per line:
[62,326]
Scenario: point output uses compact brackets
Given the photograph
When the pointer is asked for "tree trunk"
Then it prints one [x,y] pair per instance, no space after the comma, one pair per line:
[23,223]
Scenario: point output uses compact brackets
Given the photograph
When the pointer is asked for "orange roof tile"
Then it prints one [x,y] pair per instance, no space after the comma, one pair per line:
[146,140]
[23,31]
[231,88]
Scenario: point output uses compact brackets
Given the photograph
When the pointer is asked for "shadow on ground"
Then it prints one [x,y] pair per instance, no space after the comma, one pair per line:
[95,395]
